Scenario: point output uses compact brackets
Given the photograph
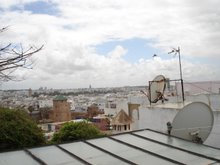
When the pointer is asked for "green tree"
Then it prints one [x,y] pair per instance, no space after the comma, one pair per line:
[76,131]
[18,130]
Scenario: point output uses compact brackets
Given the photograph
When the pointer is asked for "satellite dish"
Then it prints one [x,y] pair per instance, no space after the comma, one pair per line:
[193,122]
[156,89]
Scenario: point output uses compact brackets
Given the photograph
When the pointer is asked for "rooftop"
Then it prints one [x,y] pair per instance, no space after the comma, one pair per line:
[170,105]
[121,119]
[137,147]
[60,98]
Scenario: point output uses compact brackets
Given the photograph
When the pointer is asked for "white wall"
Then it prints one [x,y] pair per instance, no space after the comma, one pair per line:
[156,118]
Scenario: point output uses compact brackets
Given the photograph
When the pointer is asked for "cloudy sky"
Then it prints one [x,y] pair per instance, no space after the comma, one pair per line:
[110,43]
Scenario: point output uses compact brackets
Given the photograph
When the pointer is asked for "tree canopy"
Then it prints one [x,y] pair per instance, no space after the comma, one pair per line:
[18,130]
[76,131]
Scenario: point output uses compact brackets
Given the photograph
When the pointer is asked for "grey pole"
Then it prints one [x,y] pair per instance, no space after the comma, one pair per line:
[181,74]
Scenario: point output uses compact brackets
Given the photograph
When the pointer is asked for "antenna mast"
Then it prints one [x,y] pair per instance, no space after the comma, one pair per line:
[181,74]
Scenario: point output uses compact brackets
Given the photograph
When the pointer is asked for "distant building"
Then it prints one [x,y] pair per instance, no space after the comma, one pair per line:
[44,103]
[78,115]
[121,122]
[102,123]
[30,92]
[93,111]
[61,109]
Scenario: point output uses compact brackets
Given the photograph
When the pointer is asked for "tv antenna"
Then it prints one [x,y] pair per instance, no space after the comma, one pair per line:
[177,51]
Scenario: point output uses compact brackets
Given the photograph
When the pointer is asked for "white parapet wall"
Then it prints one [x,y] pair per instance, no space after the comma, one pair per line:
[156,116]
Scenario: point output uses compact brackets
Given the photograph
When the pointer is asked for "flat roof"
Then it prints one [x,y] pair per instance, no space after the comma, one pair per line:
[136,147]
[60,98]
[179,105]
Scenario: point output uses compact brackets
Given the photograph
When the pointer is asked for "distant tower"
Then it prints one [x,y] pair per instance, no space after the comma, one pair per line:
[90,86]
[61,109]
[29,92]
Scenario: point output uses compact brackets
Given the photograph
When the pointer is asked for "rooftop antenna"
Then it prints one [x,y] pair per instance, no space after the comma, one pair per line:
[177,51]
[193,122]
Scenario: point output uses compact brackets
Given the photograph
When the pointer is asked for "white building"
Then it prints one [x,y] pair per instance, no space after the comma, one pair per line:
[43,103]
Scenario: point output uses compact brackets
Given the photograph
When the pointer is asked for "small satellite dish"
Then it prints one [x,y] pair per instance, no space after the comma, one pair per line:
[193,122]
[156,89]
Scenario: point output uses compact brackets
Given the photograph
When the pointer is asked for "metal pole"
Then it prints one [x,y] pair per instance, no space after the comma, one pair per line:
[149,92]
[181,75]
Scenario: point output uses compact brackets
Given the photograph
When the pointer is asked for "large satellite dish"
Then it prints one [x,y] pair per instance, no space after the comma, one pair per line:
[156,89]
[193,122]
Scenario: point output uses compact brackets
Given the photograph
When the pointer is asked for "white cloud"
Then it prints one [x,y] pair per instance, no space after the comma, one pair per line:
[118,52]
[69,59]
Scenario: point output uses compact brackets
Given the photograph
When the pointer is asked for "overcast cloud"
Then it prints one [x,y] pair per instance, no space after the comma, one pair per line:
[71,31]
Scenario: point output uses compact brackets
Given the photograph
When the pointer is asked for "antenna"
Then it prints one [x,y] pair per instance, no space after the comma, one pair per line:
[193,122]
[177,51]
[156,89]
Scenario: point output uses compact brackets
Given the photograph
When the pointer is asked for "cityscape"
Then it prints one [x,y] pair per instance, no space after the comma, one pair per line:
[101,103]
[109,82]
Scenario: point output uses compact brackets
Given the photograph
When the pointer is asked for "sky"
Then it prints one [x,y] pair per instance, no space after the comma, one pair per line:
[111,43]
